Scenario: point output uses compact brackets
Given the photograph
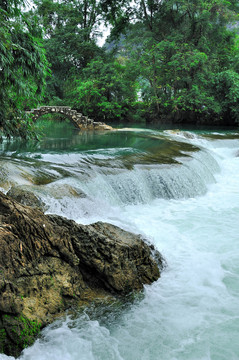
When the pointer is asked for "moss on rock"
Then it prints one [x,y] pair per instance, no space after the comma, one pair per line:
[17,333]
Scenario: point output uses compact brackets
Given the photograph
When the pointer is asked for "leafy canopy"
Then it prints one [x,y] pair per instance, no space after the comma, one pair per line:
[23,69]
[181,50]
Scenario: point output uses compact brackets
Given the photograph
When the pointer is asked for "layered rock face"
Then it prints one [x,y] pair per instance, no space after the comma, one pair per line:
[49,264]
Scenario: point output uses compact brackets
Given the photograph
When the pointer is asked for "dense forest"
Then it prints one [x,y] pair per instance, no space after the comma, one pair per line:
[164,60]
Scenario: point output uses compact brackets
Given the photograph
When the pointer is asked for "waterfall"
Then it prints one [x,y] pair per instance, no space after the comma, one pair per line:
[105,187]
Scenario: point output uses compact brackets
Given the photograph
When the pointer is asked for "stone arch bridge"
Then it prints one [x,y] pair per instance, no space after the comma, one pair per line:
[79,121]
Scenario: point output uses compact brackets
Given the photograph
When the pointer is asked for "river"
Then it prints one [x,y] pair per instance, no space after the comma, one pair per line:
[180,189]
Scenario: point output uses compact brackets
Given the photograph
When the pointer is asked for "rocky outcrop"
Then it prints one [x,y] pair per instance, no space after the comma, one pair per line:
[49,264]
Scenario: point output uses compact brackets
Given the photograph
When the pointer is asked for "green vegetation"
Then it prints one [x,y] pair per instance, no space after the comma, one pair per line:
[185,56]
[23,69]
[17,333]
[176,60]
[105,91]
[27,330]
[3,337]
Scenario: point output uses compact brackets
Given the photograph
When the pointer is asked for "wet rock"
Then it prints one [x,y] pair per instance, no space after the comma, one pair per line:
[26,197]
[119,259]
[62,190]
[102,126]
[49,264]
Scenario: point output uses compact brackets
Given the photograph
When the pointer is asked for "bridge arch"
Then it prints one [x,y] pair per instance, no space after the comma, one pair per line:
[79,121]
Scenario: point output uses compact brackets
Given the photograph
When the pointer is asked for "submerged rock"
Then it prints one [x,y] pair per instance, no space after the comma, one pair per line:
[49,264]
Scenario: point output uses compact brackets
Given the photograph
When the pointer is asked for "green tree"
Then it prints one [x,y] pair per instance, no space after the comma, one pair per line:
[179,49]
[23,69]
[106,91]
[226,85]
[71,31]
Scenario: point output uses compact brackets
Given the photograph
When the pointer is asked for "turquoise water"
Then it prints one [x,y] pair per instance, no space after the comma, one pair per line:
[180,189]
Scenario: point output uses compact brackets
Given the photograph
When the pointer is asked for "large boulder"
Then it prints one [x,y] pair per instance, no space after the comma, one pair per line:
[49,263]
